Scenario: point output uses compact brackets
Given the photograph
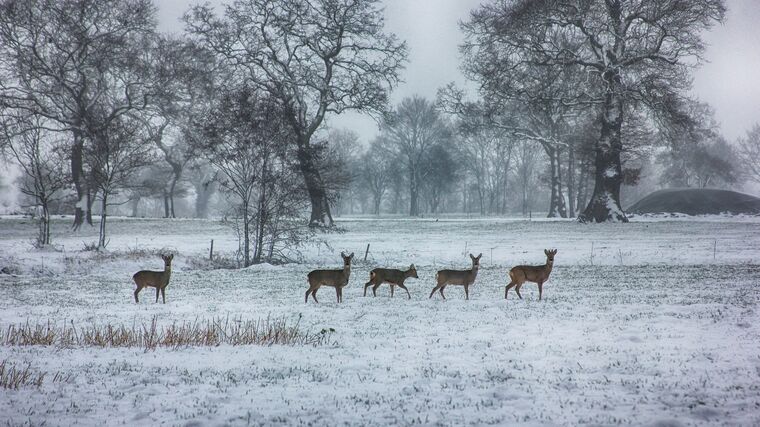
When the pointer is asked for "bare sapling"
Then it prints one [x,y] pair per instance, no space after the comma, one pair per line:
[391,276]
[155,279]
[457,277]
[538,274]
[337,279]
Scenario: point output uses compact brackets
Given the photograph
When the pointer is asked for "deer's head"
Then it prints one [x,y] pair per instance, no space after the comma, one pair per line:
[475,260]
[167,260]
[347,259]
[550,255]
[412,271]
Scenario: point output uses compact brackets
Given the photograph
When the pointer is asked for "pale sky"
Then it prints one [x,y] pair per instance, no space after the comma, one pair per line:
[730,82]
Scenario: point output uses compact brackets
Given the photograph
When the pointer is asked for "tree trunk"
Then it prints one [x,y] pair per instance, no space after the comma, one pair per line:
[557,201]
[246,238]
[571,181]
[44,236]
[80,183]
[414,190]
[481,196]
[203,193]
[172,188]
[135,205]
[376,200]
[166,204]
[102,237]
[262,219]
[320,209]
[604,204]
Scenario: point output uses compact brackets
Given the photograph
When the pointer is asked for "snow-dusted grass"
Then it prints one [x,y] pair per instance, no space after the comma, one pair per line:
[657,325]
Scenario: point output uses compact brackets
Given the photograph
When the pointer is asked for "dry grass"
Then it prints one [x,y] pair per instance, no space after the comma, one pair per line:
[13,376]
[151,335]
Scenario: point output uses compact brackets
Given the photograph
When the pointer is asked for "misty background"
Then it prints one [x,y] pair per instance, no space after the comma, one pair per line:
[431,108]
[728,81]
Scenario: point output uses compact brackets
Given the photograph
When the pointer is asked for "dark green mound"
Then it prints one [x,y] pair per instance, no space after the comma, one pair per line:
[696,201]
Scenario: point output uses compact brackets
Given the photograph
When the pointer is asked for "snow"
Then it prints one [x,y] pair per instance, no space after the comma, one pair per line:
[657,324]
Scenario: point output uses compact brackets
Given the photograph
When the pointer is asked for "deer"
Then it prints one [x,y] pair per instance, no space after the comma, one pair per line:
[538,274]
[391,276]
[457,277]
[154,279]
[337,279]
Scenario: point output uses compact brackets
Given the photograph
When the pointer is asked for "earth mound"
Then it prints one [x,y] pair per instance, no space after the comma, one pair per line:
[696,201]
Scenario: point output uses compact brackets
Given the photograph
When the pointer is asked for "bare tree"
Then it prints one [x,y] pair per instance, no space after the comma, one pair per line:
[244,138]
[632,51]
[526,161]
[314,57]
[412,130]
[441,170]
[116,155]
[41,158]
[749,155]
[204,179]
[340,166]
[62,56]
[375,172]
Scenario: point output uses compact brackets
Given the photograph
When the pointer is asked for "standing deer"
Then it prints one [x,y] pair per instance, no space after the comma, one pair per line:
[392,276]
[531,273]
[154,279]
[338,279]
[457,277]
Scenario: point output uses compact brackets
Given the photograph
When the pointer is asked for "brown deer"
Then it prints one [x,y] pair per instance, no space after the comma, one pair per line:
[337,279]
[154,279]
[531,273]
[392,276]
[457,277]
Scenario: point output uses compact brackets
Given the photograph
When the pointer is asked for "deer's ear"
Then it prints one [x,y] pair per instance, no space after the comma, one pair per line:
[171,256]
[343,254]
[352,255]
[479,255]
[471,256]
[412,267]
[554,252]
[546,252]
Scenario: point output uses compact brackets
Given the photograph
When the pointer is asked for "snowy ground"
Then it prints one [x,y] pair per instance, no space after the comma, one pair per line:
[653,322]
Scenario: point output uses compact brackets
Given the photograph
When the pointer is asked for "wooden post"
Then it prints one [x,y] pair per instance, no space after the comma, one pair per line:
[211,251]
[366,252]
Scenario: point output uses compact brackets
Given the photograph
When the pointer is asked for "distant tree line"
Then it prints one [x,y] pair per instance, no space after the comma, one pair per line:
[575,100]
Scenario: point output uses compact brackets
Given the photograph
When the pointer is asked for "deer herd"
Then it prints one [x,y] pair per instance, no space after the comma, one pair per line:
[338,279]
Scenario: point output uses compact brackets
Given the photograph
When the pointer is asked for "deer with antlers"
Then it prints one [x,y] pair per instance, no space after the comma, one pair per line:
[529,273]
[457,277]
[337,279]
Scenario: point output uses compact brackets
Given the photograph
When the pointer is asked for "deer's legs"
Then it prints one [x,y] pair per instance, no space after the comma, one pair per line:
[434,289]
[393,288]
[158,291]
[507,288]
[137,291]
[402,286]
[163,295]
[440,291]
[517,289]
[374,289]
[337,293]
[540,289]
[313,292]
[466,292]
[367,285]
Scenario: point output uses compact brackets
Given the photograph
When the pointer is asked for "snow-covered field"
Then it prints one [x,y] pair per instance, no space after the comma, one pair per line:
[653,322]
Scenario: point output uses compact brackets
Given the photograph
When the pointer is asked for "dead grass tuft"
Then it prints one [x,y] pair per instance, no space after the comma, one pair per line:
[151,335]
